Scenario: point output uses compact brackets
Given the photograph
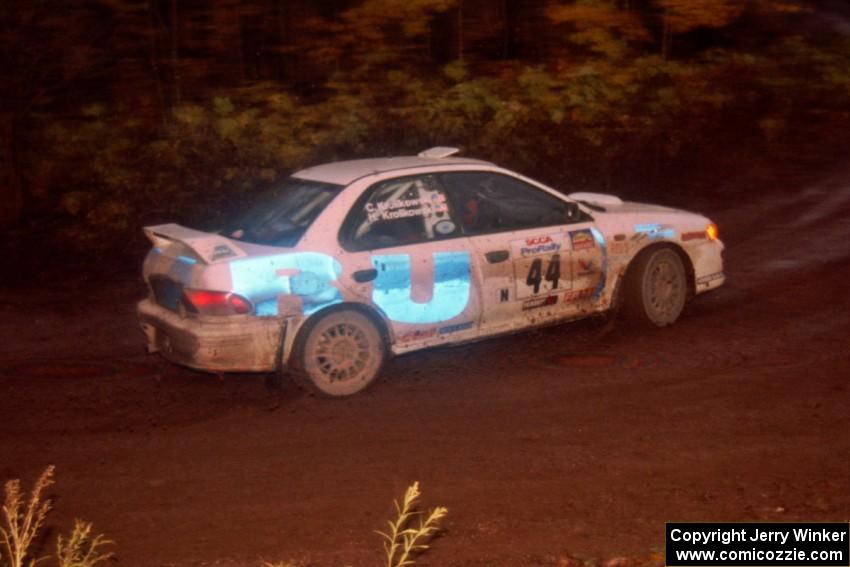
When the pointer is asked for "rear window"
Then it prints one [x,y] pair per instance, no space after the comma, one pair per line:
[281,216]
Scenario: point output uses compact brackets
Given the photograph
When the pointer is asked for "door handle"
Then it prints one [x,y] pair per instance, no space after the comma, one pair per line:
[363,276]
[497,256]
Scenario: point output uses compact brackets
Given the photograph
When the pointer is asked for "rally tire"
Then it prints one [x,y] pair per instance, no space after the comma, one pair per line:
[655,289]
[338,354]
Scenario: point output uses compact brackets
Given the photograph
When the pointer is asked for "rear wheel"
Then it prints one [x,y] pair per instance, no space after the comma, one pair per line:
[655,289]
[339,354]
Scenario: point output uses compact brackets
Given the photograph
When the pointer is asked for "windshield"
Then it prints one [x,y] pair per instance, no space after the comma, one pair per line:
[281,216]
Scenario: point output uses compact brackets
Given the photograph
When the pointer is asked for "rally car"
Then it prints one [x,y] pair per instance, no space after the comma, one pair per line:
[344,264]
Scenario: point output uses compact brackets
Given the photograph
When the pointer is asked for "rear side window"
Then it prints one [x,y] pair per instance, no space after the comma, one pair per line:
[398,212]
[281,216]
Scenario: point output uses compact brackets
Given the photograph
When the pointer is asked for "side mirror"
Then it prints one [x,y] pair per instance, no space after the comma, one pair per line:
[573,213]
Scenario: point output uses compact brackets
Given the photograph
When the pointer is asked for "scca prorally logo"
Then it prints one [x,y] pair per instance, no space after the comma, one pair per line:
[539,245]
[538,240]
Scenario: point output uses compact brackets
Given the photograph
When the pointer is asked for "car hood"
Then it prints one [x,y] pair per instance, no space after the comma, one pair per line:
[630,217]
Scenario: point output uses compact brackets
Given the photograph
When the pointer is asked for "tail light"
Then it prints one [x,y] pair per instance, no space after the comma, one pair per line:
[711,232]
[206,302]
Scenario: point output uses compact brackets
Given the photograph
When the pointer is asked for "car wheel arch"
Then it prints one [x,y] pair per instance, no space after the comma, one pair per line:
[370,312]
[655,311]
[683,256]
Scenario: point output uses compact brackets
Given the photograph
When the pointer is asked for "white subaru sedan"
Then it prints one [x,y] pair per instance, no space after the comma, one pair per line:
[344,264]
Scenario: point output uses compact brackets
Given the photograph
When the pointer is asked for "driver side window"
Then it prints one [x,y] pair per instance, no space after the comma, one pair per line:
[491,202]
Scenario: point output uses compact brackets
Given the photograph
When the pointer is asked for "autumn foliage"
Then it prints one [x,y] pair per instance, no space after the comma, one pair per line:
[133,113]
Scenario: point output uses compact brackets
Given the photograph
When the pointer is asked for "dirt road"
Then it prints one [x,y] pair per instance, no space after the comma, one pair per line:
[575,440]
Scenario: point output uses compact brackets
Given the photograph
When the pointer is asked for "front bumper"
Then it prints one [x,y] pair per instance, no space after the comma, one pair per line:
[707,259]
[241,343]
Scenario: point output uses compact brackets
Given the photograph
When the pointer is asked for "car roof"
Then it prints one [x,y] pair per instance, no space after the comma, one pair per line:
[345,172]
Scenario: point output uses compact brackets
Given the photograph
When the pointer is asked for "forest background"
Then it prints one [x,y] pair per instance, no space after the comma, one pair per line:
[121,113]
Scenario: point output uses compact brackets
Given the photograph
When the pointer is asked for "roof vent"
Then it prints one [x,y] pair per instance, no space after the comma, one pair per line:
[438,152]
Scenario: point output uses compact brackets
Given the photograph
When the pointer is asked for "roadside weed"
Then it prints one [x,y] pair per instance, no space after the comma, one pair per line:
[81,549]
[403,542]
[22,520]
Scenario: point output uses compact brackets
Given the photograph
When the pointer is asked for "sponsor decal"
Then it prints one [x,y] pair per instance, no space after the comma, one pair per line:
[619,247]
[222,251]
[585,267]
[448,329]
[653,231]
[538,245]
[393,288]
[582,239]
[539,302]
[504,295]
[417,335]
[696,235]
[310,275]
[578,294]
[313,277]
[444,227]
[709,278]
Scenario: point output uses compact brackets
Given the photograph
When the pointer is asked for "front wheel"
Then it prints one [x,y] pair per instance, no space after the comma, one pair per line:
[655,288]
[338,354]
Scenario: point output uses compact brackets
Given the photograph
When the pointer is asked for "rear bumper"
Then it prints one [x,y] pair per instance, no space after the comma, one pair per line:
[241,343]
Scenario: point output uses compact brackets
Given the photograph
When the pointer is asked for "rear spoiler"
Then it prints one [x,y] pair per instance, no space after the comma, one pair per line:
[210,248]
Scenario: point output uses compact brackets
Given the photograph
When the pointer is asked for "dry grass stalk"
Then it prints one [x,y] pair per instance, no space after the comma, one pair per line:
[403,542]
[81,549]
[22,520]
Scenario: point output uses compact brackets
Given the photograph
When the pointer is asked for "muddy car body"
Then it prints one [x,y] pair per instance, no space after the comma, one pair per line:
[350,262]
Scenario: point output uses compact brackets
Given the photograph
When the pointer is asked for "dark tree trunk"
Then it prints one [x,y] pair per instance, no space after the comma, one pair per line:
[175,52]
[460,30]
[510,17]
[11,182]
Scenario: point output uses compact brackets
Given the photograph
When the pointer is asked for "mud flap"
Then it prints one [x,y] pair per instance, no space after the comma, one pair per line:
[289,327]
[283,349]
[616,295]
[150,336]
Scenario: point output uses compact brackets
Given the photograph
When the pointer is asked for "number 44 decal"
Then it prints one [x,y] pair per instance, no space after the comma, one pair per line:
[536,276]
